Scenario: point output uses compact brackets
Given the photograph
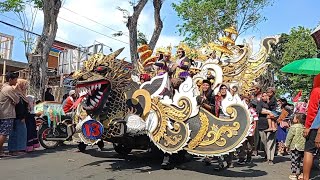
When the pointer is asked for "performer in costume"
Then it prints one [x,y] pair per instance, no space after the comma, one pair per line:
[182,65]
[144,78]
[219,113]
[164,64]
[207,99]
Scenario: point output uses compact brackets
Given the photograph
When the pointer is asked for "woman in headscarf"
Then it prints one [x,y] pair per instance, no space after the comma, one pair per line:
[283,125]
[32,138]
[18,136]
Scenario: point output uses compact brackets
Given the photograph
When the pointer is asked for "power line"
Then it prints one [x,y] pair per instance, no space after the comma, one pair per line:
[22,29]
[86,18]
[93,20]
[92,30]
[19,28]
[72,43]
[86,28]
[11,25]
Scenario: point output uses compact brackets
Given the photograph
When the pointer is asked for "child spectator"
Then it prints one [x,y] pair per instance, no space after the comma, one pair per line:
[296,142]
[249,143]
[272,103]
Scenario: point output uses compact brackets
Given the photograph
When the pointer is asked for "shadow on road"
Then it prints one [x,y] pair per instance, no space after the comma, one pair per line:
[143,162]
[139,161]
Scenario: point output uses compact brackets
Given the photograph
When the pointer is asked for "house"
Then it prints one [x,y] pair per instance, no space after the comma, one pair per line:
[316,36]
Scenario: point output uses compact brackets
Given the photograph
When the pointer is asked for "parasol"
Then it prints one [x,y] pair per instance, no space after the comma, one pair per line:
[309,66]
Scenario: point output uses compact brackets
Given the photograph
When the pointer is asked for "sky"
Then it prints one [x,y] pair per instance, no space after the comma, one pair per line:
[281,17]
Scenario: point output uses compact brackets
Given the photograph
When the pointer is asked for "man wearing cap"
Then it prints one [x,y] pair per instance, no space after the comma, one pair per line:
[8,100]
[68,103]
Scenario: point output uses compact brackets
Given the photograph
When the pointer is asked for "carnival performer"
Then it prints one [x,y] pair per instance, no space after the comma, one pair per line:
[212,58]
[164,64]
[144,78]
[219,113]
[207,99]
[8,100]
[182,65]
[17,143]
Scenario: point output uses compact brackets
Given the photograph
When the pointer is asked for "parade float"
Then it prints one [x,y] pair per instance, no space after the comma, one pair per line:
[163,111]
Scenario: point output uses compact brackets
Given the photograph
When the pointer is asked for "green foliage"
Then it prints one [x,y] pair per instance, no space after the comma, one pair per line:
[297,45]
[18,5]
[142,39]
[204,20]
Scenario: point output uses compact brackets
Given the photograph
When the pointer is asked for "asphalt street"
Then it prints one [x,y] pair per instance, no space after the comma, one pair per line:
[66,163]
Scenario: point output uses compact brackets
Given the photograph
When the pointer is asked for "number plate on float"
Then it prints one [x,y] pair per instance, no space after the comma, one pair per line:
[92,129]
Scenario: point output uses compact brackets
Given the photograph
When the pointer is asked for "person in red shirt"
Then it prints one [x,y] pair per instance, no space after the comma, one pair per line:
[144,78]
[68,103]
[311,134]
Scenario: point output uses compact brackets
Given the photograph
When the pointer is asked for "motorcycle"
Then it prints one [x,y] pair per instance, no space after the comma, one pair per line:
[52,133]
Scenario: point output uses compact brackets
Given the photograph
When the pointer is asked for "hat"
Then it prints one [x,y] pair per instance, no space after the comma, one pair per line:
[206,81]
[72,92]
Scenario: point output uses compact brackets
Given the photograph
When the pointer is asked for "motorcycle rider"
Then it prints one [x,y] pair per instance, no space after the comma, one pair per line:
[68,103]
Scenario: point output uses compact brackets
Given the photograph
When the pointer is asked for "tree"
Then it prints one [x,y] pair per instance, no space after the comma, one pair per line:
[296,45]
[38,58]
[27,19]
[205,20]
[132,23]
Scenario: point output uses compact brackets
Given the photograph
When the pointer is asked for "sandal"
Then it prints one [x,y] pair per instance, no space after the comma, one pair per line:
[4,155]
[300,177]
[293,177]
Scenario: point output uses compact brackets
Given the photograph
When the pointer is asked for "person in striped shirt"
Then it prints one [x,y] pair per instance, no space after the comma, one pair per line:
[247,146]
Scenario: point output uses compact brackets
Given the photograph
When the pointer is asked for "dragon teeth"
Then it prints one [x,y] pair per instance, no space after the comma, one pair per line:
[92,87]
[99,86]
[96,87]
[92,102]
[99,97]
[101,93]
[97,100]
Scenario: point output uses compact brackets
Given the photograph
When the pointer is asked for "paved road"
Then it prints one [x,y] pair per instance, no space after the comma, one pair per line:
[66,164]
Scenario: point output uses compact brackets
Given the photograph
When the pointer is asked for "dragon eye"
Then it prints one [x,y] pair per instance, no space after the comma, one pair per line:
[101,69]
